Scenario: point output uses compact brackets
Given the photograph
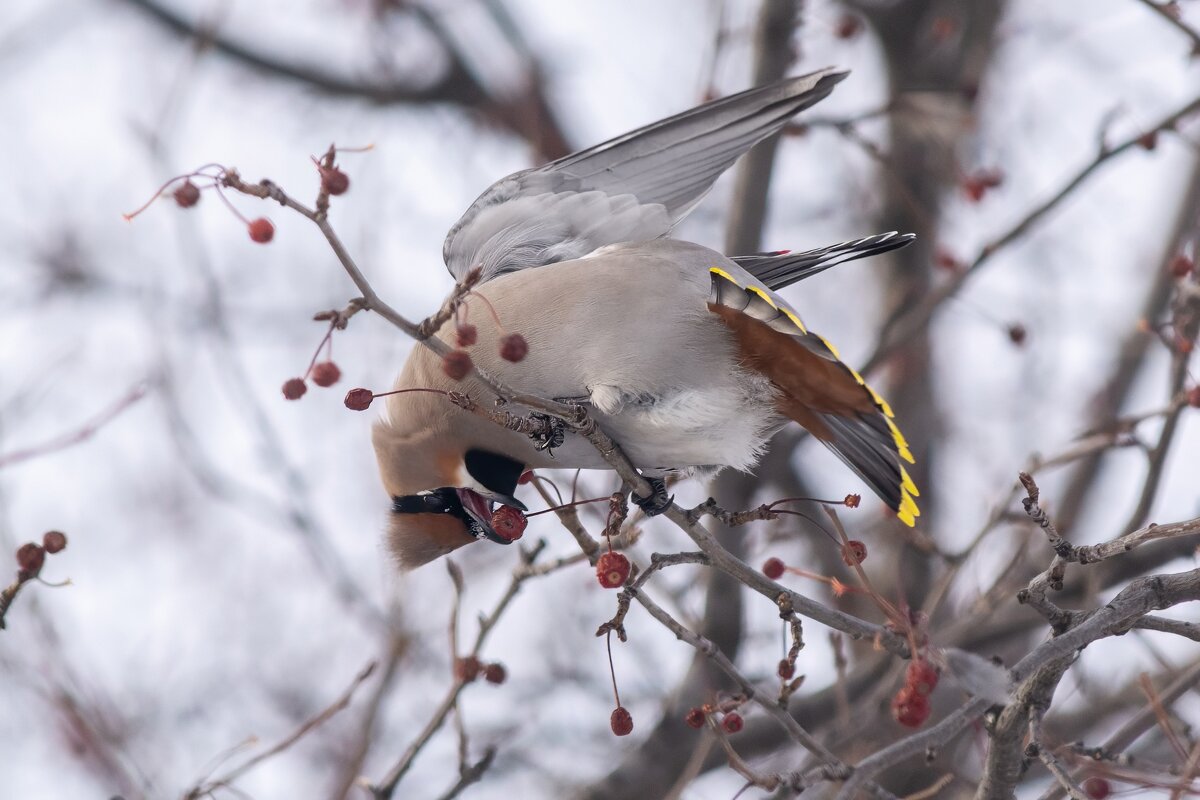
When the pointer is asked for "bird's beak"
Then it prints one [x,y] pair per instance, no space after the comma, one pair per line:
[478,506]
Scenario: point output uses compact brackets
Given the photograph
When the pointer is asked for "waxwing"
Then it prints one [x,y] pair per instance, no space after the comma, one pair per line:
[687,358]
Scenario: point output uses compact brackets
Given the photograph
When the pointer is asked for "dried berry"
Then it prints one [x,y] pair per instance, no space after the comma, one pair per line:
[294,388]
[848,26]
[695,718]
[732,722]
[467,669]
[1181,266]
[466,334]
[621,721]
[1097,788]
[326,374]
[30,558]
[513,347]
[921,676]
[773,568]
[612,569]
[359,399]
[509,522]
[54,541]
[852,500]
[1017,333]
[854,552]
[261,230]
[495,673]
[1148,140]
[456,364]
[786,669]
[333,180]
[187,195]
[910,708]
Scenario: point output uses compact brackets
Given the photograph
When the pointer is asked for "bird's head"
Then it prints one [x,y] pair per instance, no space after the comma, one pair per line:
[443,491]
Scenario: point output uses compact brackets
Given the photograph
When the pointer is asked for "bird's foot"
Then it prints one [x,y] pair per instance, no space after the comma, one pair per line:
[550,434]
[658,501]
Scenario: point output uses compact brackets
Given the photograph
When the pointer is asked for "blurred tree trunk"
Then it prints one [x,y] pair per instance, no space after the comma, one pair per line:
[665,755]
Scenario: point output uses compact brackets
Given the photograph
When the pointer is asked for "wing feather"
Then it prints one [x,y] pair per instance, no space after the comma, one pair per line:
[637,186]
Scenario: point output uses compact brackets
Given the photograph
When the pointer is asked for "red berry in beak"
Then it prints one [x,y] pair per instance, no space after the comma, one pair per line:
[509,522]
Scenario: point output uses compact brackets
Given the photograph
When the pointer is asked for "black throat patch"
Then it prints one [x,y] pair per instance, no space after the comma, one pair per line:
[494,472]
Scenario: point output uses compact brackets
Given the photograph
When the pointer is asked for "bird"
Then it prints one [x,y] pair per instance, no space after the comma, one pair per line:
[688,359]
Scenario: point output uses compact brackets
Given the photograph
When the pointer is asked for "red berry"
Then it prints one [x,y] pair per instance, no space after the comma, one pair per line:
[852,500]
[525,478]
[495,673]
[1097,788]
[612,569]
[1181,266]
[910,708]
[973,188]
[326,374]
[30,558]
[333,180]
[854,552]
[513,347]
[359,399]
[732,722]
[695,718]
[261,230]
[773,568]
[294,388]
[786,669]
[54,541]
[921,676]
[1017,333]
[187,195]
[456,364]
[509,522]
[467,669]
[1193,397]
[848,26]
[467,334]
[621,721]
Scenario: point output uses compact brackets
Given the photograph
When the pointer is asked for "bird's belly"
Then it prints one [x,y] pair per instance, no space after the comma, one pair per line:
[725,425]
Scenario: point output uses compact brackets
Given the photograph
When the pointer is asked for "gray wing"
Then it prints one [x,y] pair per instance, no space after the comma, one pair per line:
[633,188]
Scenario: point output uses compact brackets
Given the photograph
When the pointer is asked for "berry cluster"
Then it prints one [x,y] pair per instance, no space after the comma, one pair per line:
[323,373]
[910,705]
[457,364]
[731,721]
[31,556]
[468,668]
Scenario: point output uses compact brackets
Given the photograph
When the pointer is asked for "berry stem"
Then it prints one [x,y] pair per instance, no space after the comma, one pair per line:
[612,672]
[491,310]
[328,340]
[568,505]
